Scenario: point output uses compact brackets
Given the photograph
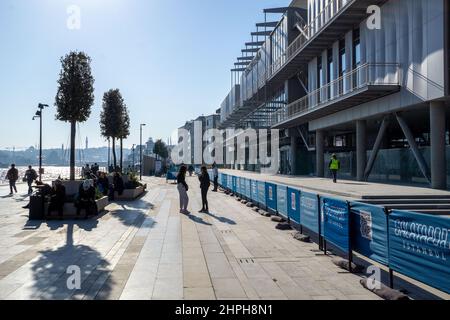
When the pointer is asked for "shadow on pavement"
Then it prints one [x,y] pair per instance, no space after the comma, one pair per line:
[199,220]
[133,213]
[221,219]
[52,273]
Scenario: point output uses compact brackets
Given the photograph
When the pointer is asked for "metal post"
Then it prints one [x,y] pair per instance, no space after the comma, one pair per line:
[140,154]
[391,278]
[134,162]
[40,146]
[140,164]
[321,240]
[39,115]
[350,249]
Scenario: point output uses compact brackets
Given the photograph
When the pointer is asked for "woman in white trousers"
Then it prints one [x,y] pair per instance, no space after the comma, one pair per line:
[182,190]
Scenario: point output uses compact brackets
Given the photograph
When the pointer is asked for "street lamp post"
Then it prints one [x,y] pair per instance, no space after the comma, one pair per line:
[133,148]
[140,164]
[39,115]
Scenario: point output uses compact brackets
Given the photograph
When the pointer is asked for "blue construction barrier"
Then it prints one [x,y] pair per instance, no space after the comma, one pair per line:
[293,201]
[230,182]
[223,180]
[309,209]
[369,225]
[419,247]
[234,184]
[262,194]
[271,196]
[242,187]
[248,189]
[336,223]
[282,203]
[238,186]
[254,191]
[416,245]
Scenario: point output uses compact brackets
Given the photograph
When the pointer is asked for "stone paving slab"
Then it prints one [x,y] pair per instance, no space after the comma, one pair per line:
[147,250]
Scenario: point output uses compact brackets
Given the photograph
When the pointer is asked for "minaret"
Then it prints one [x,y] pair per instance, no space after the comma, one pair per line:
[87,143]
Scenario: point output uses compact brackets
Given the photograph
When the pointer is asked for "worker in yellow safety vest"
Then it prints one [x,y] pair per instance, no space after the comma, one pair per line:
[334,166]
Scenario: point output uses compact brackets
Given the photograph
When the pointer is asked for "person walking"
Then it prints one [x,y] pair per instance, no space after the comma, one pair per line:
[12,175]
[205,182]
[30,176]
[215,176]
[183,189]
[335,166]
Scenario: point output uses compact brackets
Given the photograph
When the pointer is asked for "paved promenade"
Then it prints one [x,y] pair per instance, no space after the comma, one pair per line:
[147,250]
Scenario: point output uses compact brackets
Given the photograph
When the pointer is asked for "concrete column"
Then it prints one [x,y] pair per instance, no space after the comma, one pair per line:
[361,149]
[437,135]
[320,137]
[294,150]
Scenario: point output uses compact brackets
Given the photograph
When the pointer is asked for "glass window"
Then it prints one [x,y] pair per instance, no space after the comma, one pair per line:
[342,58]
[356,48]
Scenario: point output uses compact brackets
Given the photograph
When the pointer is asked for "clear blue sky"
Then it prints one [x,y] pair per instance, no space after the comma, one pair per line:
[170,58]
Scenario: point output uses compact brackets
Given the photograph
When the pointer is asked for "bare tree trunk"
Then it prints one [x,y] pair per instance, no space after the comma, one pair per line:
[114,153]
[73,130]
[121,154]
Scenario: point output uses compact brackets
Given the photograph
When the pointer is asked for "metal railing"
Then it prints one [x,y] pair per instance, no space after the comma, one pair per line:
[370,74]
[332,9]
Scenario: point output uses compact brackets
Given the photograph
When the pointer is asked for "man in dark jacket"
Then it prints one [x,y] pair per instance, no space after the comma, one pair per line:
[57,198]
[30,176]
[12,176]
[86,199]
[205,182]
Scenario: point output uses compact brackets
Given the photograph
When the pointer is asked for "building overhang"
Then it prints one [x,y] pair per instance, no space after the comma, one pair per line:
[357,97]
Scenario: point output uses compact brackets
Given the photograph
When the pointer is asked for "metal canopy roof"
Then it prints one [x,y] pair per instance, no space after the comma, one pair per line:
[261,33]
[250,50]
[255,43]
[246,58]
[267,24]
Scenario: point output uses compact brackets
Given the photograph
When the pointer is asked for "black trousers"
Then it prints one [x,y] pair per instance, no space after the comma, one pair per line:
[88,205]
[56,206]
[12,186]
[204,192]
[30,189]
[216,183]
[334,174]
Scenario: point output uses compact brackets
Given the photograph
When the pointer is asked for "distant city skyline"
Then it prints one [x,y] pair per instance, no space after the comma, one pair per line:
[138,46]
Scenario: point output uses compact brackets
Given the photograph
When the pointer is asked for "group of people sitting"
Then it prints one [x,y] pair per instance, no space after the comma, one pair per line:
[56,197]
[85,199]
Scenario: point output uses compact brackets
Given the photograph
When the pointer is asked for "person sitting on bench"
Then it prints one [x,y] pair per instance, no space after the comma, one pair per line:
[57,198]
[119,186]
[86,199]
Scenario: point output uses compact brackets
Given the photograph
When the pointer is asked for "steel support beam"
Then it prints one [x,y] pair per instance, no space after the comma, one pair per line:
[376,147]
[414,148]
